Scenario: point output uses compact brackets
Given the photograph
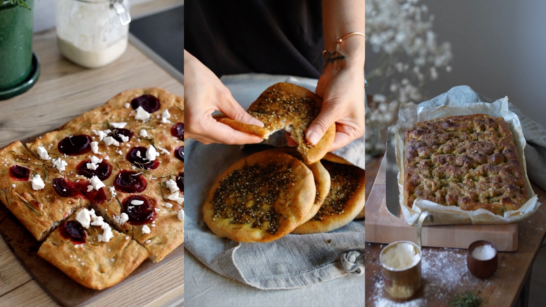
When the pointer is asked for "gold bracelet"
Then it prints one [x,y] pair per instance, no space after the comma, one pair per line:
[339,40]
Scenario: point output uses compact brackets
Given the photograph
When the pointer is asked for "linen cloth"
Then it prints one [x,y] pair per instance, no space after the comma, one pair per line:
[535,134]
[293,261]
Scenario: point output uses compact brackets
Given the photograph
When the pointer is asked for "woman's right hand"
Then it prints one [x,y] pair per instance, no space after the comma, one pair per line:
[204,93]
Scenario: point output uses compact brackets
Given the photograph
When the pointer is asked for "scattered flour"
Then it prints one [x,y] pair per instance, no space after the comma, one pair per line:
[443,272]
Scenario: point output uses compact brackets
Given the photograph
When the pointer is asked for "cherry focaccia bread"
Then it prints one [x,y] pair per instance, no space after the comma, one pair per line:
[290,107]
[150,218]
[89,251]
[131,149]
[260,198]
[30,191]
[468,161]
[345,199]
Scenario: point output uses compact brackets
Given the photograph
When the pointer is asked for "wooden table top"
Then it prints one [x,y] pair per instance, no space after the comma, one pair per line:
[63,92]
[444,270]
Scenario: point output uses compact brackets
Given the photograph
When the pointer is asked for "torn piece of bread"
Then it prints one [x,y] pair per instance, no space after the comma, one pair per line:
[289,107]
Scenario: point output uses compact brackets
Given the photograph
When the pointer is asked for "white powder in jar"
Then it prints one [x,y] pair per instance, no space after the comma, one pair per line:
[484,252]
[400,256]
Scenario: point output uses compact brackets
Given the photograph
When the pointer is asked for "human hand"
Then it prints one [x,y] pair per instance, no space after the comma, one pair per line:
[341,86]
[204,93]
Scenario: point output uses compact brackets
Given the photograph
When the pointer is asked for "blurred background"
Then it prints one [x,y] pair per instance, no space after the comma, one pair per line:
[497,48]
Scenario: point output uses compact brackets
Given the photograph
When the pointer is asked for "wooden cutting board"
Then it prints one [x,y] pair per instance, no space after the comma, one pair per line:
[383,227]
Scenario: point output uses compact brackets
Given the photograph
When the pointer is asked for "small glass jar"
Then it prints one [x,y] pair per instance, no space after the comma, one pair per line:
[92,33]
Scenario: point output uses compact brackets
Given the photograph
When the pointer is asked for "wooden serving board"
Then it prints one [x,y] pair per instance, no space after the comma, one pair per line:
[383,227]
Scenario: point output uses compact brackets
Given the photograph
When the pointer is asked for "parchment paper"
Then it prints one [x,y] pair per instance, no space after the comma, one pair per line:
[444,215]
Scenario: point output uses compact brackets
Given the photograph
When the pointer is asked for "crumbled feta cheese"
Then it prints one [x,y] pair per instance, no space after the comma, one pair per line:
[118,125]
[124,138]
[84,217]
[163,150]
[37,183]
[99,221]
[59,164]
[143,133]
[95,147]
[145,229]
[102,134]
[13,185]
[95,160]
[127,105]
[42,152]
[113,191]
[171,184]
[176,197]
[121,219]
[92,166]
[107,233]
[165,117]
[180,214]
[151,153]
[148,241]
[96,183]
[141,114]
[137,202]
[168,205]
[94,163]
[110,141]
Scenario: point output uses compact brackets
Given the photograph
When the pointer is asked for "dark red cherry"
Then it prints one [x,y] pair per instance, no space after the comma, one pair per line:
[66,188]
[75,145]
[19,173]
[130,182]
[149,103]
[116,132]
[102,172]
[96,197]
[74,231]
[179,153]
[139,214]
[178,131]
[137,156]
[180,182]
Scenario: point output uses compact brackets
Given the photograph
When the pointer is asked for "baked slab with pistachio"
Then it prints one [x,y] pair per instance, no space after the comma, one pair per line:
[468,161]
[124,162]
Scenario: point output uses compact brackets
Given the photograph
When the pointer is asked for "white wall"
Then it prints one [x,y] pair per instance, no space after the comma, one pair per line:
[44,13]
[499,49]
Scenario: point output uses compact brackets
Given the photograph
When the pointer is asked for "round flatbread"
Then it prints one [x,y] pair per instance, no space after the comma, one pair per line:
[289,107]
[260,198]
[345,199]
[320,176]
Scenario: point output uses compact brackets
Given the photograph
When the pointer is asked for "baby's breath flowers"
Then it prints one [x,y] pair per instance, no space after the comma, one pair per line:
[408,56]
